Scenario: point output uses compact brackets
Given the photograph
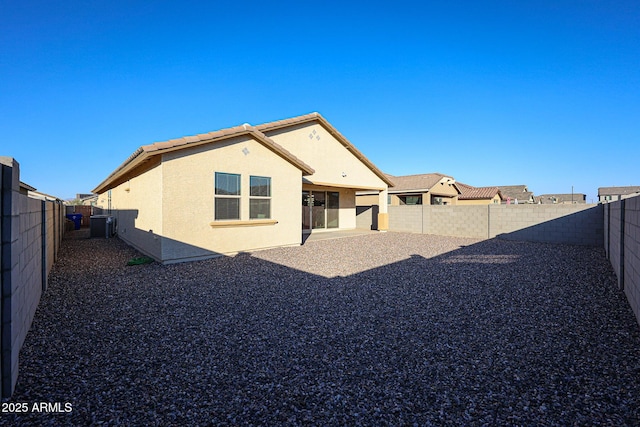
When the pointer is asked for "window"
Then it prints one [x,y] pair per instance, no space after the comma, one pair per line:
[333,209]
[410,200]
[227,199]
[259,197]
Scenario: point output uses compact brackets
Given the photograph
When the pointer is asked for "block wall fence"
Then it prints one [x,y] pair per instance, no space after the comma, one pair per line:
[622,246]
[31,231]
[572,224]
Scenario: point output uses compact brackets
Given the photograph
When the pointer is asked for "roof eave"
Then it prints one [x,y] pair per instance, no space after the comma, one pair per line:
[152,150]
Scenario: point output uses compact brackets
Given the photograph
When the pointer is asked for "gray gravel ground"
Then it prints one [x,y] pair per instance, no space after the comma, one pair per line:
[385,329]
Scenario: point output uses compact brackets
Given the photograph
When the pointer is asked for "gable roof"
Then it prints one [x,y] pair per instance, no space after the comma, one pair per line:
[561,198]
[618,191]
[146,153]
[469,192]
[416,183]
[316,117]
[520,192]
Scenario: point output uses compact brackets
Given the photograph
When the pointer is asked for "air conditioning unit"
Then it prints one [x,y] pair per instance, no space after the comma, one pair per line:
[103,226]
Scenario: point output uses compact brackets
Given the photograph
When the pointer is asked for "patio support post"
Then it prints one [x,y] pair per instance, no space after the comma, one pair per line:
[383,215]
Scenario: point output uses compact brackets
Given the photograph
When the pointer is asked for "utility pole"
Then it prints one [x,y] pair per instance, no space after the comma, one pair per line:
[572,194]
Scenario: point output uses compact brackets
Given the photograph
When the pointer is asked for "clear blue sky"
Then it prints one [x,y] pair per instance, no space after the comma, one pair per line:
[542,93]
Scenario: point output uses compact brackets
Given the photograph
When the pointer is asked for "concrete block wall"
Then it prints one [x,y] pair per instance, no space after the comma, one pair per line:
[26,291]
[615,249]
[606,239]
[407,218]
[30,233]
[54,223]
[622,246]
[573,224]
[458,221]
[632,254]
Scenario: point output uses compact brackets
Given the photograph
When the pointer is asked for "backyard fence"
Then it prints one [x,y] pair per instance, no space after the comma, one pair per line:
[31,231]
[622,246]
[573,224]
[86,211]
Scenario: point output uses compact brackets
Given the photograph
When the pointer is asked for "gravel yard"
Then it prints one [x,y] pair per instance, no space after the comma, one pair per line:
[382,329]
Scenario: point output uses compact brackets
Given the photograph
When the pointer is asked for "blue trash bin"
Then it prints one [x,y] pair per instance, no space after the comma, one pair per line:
[77,220]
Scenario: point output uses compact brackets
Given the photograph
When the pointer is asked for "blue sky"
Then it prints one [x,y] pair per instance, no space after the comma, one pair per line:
[542,93]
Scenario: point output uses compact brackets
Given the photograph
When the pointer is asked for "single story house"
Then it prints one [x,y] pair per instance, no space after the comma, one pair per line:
[421,189]
[240,189]
[611,194]
[479,195]
[513,193]
[561,199]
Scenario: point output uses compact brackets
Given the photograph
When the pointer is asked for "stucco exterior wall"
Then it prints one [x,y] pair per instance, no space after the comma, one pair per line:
[188,185]
[167,209]
[137,206]
[476,202]
[443,189]
[333,163]
[367,200]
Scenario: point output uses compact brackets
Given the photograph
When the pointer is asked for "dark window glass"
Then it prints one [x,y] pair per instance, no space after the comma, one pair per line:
[259,208]
[227,208]
[260,186]
[227,184]
[259,201]
[227,200]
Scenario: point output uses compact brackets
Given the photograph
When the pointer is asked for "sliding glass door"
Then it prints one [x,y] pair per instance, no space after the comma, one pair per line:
[320,210]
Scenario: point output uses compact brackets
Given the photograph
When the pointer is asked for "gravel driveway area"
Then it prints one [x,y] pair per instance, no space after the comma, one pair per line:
[383,329]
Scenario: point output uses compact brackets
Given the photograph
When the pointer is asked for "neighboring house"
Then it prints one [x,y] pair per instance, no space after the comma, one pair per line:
[422,189]
[25,188]
[561,199]
[478,195]
[89,200]
[511,193]
[611,194]
[239,189]
[33,193]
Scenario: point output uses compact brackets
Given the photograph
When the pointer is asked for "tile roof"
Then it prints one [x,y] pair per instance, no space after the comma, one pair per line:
[546,199]
[421,182]
[618,191]
[143,153]
[520,192]
[469,192]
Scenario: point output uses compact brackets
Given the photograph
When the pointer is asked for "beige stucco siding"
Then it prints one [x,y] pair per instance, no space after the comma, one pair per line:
[333,163]
[367,200]
[189,186]
[137,206]
[494,200]
[443,189]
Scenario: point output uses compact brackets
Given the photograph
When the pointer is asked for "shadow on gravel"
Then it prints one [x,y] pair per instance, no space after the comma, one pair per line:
[493,333]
